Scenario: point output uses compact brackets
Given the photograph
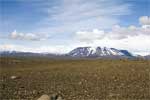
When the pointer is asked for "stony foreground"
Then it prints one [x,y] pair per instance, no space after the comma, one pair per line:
[30,78]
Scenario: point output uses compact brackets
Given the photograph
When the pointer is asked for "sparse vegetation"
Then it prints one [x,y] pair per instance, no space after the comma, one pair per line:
[87,79]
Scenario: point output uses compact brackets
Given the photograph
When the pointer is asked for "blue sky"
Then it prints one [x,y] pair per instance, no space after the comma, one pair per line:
[53,24]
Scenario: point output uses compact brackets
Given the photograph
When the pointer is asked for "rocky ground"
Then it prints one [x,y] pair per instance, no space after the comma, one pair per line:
[36,78]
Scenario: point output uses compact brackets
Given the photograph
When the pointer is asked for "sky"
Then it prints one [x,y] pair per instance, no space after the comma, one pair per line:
[58,26]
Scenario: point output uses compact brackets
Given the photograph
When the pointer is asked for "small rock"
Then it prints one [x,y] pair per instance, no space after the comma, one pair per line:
[44,97]
[14,77]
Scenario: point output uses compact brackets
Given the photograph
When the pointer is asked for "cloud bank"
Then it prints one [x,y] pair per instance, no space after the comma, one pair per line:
[117,32]
[59,49]
[90,36]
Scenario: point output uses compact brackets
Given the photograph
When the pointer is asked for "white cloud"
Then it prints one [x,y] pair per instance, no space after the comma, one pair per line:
[27,36]
[90,36]
[118,32]
[145,20]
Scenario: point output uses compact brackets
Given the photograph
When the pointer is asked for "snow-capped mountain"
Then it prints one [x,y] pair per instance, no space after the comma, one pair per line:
[98,52]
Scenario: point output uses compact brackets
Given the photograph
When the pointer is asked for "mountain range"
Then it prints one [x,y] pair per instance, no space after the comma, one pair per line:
[80,52]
